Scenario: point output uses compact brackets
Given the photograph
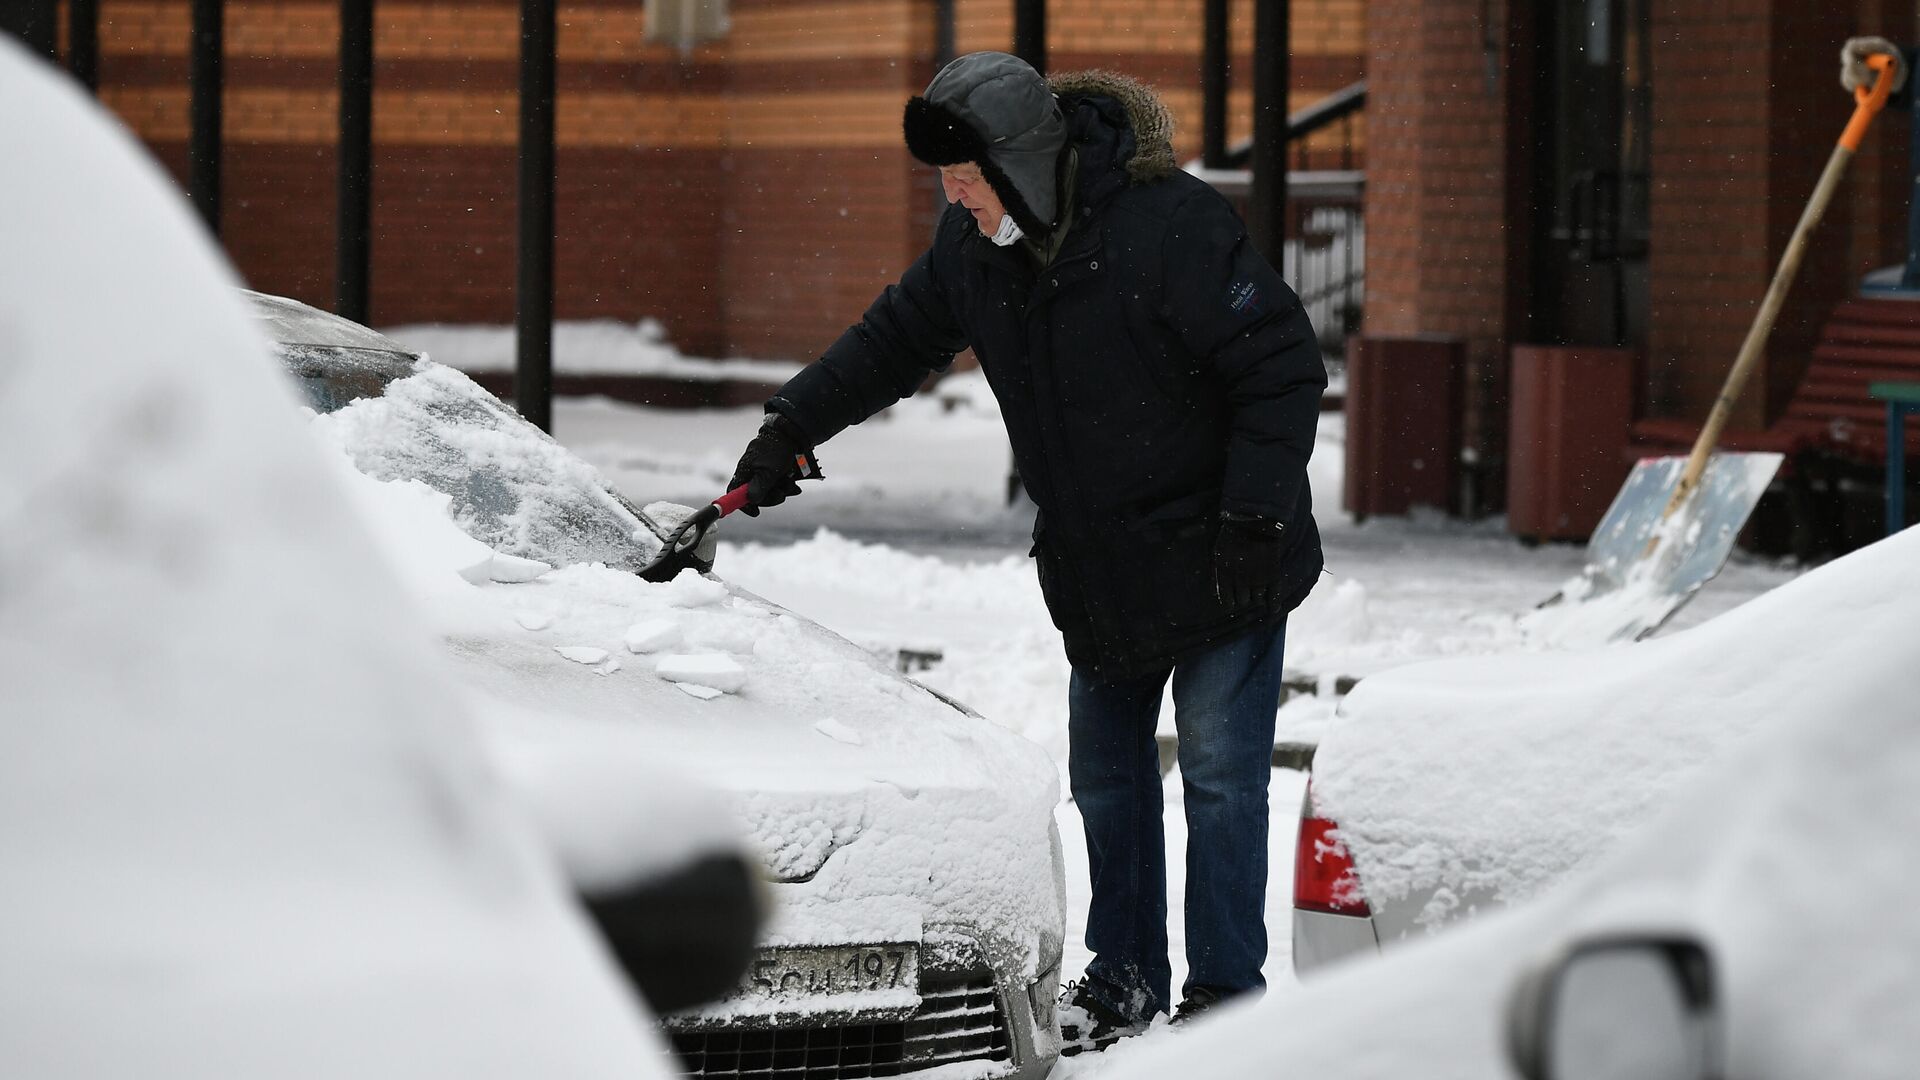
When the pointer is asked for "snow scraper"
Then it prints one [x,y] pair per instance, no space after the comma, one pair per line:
[1674,521]
[677,553]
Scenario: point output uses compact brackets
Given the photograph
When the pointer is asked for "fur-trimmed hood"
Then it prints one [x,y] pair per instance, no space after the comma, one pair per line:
[1152,123]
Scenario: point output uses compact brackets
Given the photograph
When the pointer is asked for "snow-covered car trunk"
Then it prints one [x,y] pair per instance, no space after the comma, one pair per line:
[1460,786]
[1786,856]
[909,844]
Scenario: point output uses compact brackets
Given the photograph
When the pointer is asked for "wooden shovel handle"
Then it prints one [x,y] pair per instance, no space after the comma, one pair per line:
[1867,104]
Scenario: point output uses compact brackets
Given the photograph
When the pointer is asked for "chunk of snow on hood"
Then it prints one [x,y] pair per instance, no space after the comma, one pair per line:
[514,570]
[533,620]
[652,635]
[714,670]
[582,654]
[837,731]
[689,589]
[704,693]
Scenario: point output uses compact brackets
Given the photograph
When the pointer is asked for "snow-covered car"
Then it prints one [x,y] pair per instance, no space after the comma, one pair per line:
[1764,891]
[915,871]
[1455,787]
[247,828]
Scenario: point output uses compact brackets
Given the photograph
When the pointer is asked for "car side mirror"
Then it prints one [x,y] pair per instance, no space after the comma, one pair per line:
[684,938]
[1618,1008]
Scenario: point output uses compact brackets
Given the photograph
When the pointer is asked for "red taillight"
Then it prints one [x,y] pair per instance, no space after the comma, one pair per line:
[1323,877]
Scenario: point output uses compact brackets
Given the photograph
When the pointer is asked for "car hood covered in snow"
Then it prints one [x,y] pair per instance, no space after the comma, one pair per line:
[245,825]
[883,809]
[1789,857]
[1477,782]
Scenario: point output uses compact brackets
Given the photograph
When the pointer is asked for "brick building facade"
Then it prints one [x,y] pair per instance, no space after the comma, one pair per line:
[1744,109]
[752,194]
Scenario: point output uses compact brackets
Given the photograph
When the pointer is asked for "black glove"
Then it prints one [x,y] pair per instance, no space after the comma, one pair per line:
[777,457]
[1246,559]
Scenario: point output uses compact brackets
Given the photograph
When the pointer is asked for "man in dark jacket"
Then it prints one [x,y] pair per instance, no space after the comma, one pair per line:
[1160,385]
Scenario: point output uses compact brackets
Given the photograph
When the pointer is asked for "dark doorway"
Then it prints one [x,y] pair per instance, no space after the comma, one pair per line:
[1591,217]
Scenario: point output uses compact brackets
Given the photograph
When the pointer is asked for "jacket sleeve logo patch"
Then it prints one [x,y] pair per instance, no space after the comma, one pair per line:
[1244,299]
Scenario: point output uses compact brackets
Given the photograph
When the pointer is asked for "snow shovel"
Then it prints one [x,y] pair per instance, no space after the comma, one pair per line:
[677,553]
[1674,522]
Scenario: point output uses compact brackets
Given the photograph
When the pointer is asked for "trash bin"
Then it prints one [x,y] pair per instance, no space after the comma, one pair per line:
[1403,423]
[1571,418]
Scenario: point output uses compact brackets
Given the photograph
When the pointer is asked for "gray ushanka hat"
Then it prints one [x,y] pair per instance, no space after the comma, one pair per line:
[994,110]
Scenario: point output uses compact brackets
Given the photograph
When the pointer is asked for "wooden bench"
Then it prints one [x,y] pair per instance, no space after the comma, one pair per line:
[1864,342]
[1832,425]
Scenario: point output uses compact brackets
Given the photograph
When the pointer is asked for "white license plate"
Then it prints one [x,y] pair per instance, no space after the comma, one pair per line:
[797,973]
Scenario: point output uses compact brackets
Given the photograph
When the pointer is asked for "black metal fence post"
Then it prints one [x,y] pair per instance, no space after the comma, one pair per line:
[35,23]
[533,362]
[1030,33]
[1213,86]
[203,143]
[1268,202]
[83,42]
[943,33]
[353,220]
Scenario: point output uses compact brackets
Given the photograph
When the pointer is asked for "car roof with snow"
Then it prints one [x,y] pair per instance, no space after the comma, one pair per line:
[1789,857]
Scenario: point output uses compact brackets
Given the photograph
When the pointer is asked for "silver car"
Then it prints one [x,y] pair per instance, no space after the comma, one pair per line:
[908,844]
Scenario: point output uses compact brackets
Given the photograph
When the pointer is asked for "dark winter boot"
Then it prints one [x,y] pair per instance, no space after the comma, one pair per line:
[1086,1023]
[1197,1001]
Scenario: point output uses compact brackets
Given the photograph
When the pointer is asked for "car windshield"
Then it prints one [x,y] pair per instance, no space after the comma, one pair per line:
[330,378]
[513,488]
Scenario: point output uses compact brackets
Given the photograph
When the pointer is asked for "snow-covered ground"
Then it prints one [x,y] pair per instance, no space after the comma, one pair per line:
[909,544]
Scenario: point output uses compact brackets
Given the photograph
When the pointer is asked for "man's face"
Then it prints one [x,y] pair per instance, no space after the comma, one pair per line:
[964,185]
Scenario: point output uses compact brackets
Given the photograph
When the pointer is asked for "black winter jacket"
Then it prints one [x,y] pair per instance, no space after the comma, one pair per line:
[1155,374]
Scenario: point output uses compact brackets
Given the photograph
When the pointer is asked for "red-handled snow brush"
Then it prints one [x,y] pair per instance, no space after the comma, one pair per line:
[676,554]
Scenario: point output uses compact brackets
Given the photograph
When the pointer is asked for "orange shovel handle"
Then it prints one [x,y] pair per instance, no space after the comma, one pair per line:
[1867,101]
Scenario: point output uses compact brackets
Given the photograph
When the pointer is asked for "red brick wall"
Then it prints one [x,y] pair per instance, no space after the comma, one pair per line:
[752,195]
[809,238]
[1441,201]
[1738,148]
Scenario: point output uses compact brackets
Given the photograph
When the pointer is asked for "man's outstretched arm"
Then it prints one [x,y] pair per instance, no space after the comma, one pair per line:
[908,332]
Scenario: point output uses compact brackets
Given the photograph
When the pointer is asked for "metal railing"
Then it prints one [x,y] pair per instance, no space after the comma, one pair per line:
[1325,254]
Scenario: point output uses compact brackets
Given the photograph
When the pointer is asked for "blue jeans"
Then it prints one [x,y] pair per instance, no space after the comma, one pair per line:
[1224,705]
